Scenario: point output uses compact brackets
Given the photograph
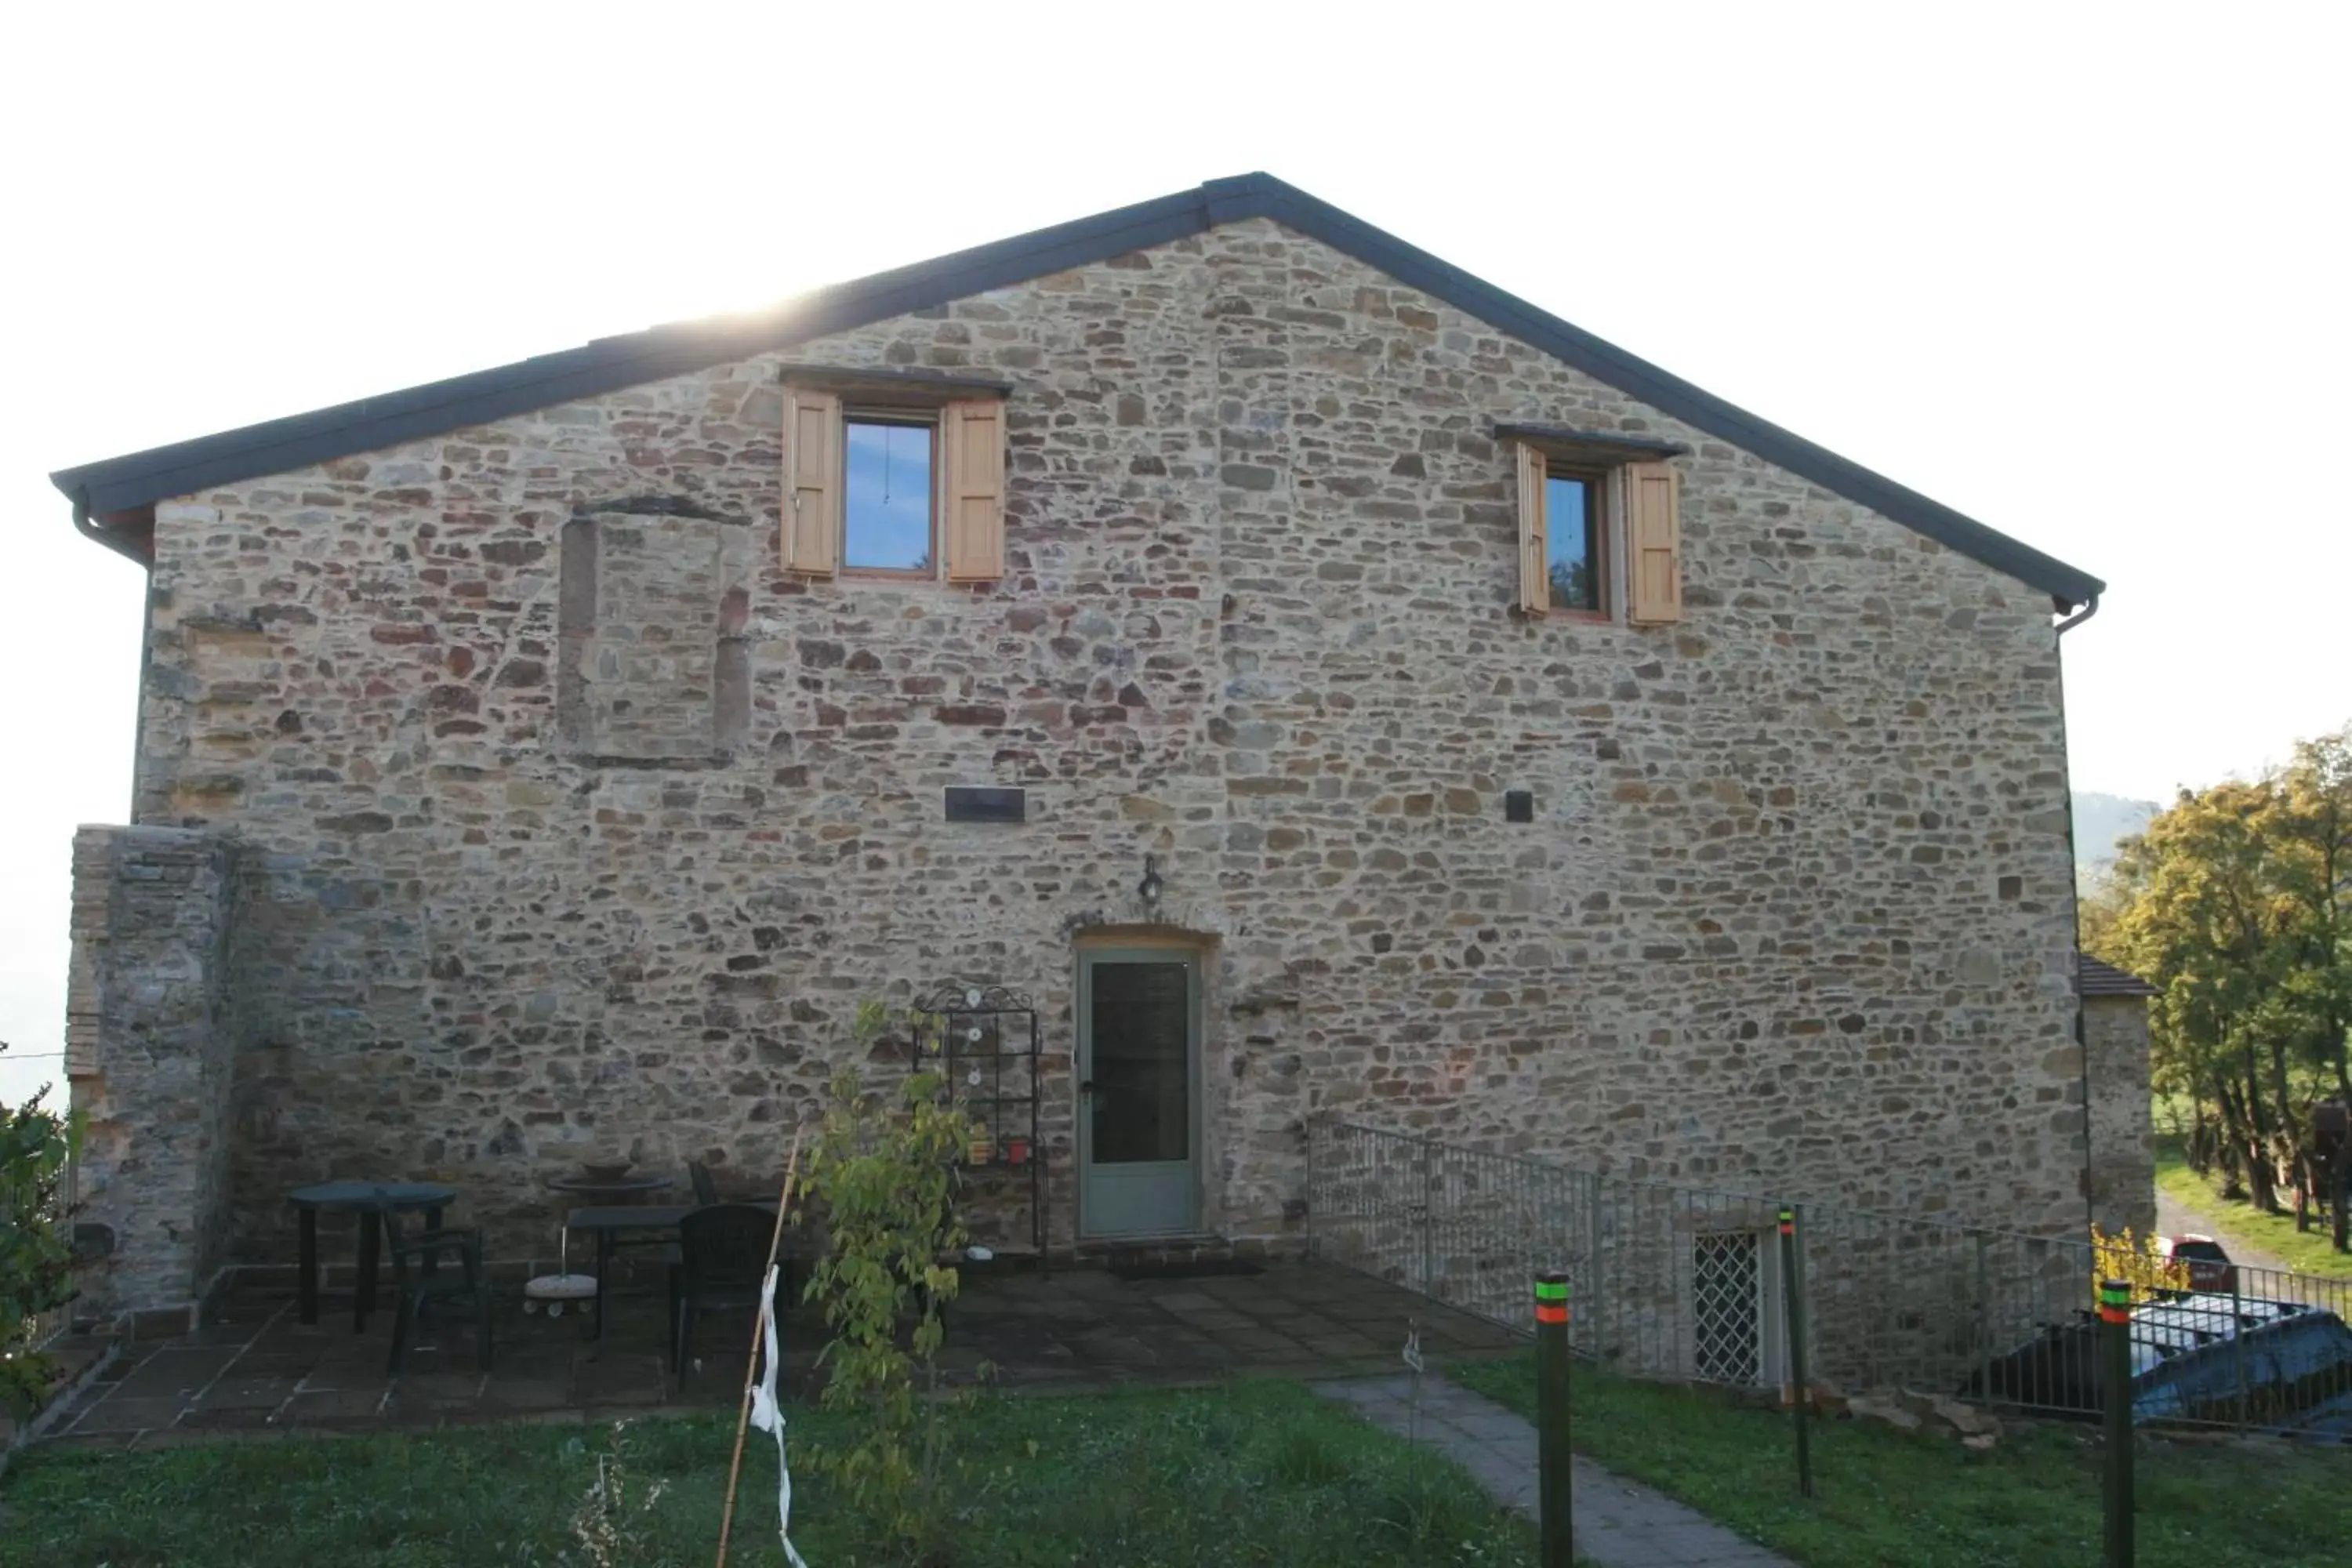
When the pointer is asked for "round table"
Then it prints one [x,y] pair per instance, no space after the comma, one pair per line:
[367,1198]
[623,1187]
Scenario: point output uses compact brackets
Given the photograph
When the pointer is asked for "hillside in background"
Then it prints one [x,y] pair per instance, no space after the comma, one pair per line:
[2102,819]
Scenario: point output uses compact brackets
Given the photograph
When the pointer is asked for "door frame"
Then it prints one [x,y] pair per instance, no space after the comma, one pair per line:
[1131,949]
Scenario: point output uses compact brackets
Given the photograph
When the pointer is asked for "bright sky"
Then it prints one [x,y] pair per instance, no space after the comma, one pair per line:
[2077,271]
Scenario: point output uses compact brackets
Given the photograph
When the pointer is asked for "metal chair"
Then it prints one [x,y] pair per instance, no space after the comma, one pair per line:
[722,1263]
[420,1285]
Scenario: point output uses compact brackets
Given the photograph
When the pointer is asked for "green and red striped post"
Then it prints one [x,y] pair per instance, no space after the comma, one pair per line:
[2115,1381]
[1793,1301]
[1553,1472]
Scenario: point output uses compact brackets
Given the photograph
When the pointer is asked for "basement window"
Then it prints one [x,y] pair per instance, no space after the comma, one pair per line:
[888,491]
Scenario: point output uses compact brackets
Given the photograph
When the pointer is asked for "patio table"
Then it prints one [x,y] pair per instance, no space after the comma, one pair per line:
[365,1197]
[608,1221]
[614,1187]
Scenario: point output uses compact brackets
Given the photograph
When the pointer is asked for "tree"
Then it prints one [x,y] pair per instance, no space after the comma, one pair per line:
[2315,832]
[2105,894]
[2236,903]
[36,1241]
[2314,829]
[2197,931]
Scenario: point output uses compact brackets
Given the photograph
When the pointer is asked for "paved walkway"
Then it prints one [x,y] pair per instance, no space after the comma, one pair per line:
[1618,1524]
[257,1373]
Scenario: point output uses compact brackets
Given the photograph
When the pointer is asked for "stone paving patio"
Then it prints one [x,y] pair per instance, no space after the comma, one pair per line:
[258,1372]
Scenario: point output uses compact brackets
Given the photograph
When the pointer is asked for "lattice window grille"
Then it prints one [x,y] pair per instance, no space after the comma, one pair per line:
[1727,1307]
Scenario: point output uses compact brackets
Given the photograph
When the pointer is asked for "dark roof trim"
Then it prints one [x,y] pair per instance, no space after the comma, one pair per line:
[611,363]
[2093,977]
[608,365]
[1671,394]
[1591,446]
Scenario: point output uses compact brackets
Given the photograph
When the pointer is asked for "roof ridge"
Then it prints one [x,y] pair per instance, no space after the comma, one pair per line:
[608,363]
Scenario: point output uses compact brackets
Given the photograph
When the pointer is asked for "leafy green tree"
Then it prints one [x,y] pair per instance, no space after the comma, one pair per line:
[35,1240]
[883,1177]
[2197,930]
[2314,829]
[2099,903]
[2236,903]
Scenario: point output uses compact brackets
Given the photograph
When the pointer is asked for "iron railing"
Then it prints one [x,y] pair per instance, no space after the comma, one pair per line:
[44,1329]
[1687,1284]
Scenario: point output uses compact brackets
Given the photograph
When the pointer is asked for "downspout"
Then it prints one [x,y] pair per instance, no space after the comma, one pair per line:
[2074,905]
[88,530]
[2090,607]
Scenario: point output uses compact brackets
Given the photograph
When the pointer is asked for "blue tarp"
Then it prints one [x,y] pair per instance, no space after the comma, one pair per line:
[2282,1365]
[2295,1363]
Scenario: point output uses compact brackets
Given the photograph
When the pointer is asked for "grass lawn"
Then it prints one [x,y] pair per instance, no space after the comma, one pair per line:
[2240,1224]
[1882,1497]
[1257,1473]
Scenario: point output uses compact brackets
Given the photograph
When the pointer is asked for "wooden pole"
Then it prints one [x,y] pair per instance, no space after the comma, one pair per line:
[751,1369]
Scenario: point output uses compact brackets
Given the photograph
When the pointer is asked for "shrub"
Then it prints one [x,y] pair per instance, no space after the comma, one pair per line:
[36,1241]
[885,1176]
[611,1531]
[2137,1261]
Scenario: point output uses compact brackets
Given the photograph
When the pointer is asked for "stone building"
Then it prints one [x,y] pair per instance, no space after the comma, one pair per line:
[1522,745]
[2122,1123]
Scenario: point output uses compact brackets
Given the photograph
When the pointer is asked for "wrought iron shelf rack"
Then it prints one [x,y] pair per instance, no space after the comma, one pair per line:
[982,1041]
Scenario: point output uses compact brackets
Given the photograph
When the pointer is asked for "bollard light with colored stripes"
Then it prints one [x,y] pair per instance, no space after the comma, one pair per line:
[1552,1461]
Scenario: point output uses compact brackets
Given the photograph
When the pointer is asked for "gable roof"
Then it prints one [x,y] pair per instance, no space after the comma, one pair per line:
[607,365]
[2096,977]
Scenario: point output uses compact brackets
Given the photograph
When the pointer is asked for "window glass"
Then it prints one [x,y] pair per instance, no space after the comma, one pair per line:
[1572,533]
[1142,1068]
[886,495]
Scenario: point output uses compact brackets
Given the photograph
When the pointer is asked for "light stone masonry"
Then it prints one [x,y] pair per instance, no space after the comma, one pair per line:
[568,822]
[2122,1130]
[151,1067]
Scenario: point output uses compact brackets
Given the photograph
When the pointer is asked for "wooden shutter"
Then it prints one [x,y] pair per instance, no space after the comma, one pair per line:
[1654,544]
[812,520]
[972,495]
[1535,552]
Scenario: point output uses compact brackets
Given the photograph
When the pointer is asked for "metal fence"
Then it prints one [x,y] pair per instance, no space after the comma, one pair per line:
[1681,1283]
[44,1329]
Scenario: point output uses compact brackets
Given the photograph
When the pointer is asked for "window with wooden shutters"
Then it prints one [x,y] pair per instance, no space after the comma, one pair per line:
[812,508]
[973,493]
[1654,532]
[1599,524]
[894,473]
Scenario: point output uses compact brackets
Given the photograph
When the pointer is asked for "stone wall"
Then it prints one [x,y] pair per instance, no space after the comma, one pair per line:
[2123,1135]
[576,825]
[150,1060]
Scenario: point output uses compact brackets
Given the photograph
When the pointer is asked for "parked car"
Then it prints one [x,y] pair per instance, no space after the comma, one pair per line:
[2210,1267]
